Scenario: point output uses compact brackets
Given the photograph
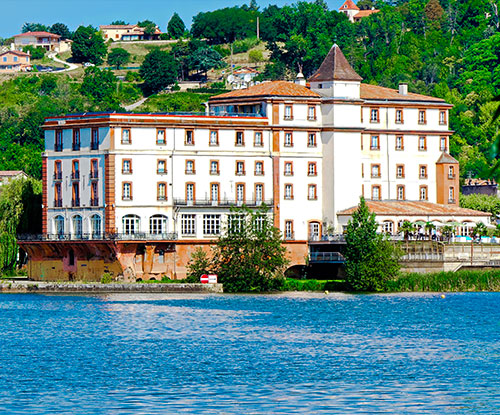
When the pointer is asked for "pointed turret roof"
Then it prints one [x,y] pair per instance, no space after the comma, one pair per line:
[446,159]
[335,67]
[349,5]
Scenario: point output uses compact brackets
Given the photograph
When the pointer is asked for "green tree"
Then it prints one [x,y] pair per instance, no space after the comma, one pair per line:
[250,255]
[88,46]
[199,264]
[34,27]
[36,52]
[100,85]
[119,23]
[255,56]
[20,212]
[159,71]
[148,26]
[371,260]
[176,27]
[118,57]
[204,59]
[60,29]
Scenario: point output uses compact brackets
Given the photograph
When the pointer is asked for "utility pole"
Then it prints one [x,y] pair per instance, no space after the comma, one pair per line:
[258,28]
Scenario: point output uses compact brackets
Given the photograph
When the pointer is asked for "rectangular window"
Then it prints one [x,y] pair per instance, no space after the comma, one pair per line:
[188,224]
[288,170]
[258,141]
[214,138]
[190,192]
[311,192]
[126,138]
[161,167]
[240,141]
[57,170]
[288,140]
[423,192]
[75,202]
[94,139]
[451,195]
[442,117]
[288,195]
[451,172]
[162,191]
[374,115]
[214,192]
[240,192]
[422,143]
[126,166]
[311,140]
[190,167]
[289,230]
[442,144]
[94,196]
[288,112]
[214,167]
[58,143]
[94,169]
[57,195]
[400,171]
[399,116]
[401,192]
[422,171]
[311,113]
[76,139]
[189,138]
[75,172]
[422,119]
[375,171]
[259,168]
[362,170]
[259,192]
[240,168]
[374,143]
[211,224]
[399,143]
[160,137]
[375,192]
[311,169]
[127,191]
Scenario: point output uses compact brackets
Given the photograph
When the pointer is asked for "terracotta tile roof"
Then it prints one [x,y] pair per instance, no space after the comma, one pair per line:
[412,208]
[350,5]
[446,159]
[118,26]
[335,67]
[274,88]
[10,173]
[381,93]
[365,13]
[480,182]
[14,52]
[46,34]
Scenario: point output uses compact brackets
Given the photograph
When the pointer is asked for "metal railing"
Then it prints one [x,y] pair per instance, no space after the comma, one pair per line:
[422,256]
[75,175]
[326,257]
[137,236]
[94,175]
[58,176]
[222,203]
[94,201]
[58,147]
[75,202]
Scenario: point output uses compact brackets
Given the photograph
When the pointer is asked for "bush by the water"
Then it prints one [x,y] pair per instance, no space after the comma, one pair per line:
[466,280]
[291,284]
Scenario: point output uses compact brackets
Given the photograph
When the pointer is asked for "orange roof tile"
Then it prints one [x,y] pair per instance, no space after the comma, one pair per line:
[274,88]
[46,34]
[350,5]
[413,208]
[335,67]
[15,52]
[365,13]
[381,93]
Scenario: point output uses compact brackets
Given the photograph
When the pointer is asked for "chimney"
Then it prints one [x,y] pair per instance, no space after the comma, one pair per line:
[300,80]
[403,89]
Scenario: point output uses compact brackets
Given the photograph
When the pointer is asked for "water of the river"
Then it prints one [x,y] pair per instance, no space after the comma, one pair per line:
[232,354]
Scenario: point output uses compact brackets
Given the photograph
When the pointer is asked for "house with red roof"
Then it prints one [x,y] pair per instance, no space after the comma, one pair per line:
[127,32]
[354,13]
[48,41]
[14,61]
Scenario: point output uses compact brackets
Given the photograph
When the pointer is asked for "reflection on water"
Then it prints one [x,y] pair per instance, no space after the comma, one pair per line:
[235,354]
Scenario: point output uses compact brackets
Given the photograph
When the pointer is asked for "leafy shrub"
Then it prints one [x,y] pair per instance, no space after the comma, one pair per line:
[223,50]
[106,278]
[133,77]
[242,46]
[255,56]
[198,264]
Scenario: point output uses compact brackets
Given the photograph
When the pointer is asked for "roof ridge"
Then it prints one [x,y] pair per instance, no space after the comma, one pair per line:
[335,67]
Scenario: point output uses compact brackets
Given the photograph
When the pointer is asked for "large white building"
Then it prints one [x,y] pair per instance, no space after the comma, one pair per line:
[139,191]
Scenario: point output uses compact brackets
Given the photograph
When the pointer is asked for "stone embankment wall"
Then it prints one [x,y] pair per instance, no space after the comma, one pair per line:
[97,288]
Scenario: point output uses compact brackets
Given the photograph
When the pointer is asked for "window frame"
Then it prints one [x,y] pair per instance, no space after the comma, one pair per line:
[290,195]
[129,136]
[314,188]
[379,171]
[402,143]
[189,137]
[376,111]
[420,148]
[129,171]
[129,197]
[216,142]
[400,187]
[426,190]
[379,189]
[313,116]
[372,147]
[288,117]
[211,171]
[314,172]
[237,141]
[191,171]
[402,175]
[288,172]
[420,120]
[422,167]
[255,142]
[159,197]
[290,134]
[76,145]
[158,171]
[257,173]
[158,131]
[401,120]
[238,172]
[314,143]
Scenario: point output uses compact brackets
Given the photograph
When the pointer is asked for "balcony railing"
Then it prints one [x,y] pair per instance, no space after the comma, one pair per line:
[451,201]
[94,145]
[76,147]
[58,147]
[75,175]
[75,202]
[94,201]
[289,236]
[137,236]
[222,203]
[326,257]
[58,176]
[451,176]
[94,175]
[58,203]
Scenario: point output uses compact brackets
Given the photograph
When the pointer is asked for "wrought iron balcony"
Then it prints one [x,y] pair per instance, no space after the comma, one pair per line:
[58,203]
[137,236]
[75,175]
[58,176]
[94,201]
[75,202]
[58,147]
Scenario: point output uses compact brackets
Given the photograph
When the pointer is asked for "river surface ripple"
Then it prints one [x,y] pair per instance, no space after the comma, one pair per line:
[241,354]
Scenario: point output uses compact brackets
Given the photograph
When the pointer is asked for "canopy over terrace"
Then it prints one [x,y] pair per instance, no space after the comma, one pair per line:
[391,214]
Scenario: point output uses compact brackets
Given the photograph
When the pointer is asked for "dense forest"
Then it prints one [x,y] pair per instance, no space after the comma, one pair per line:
[444,48]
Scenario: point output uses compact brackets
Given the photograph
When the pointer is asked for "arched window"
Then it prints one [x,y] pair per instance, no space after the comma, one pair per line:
[59,225]
[77,226]
[157,224]
[131,224]
[95,226]
[466,228]
[388,227]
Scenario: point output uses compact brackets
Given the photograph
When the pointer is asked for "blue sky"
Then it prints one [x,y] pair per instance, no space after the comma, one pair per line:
[96,12]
